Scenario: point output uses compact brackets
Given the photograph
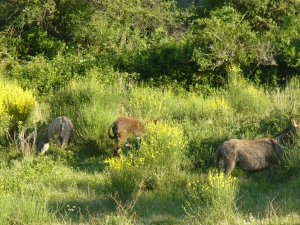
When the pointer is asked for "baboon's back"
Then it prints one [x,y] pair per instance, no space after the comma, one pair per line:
[129,125]
[62,127]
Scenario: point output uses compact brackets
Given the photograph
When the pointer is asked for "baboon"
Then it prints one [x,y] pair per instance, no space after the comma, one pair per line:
[122,128]
[253,155]
[63,128]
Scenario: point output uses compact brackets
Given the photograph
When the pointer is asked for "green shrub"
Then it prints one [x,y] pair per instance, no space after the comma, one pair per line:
[287,100]
[146,103]
[195,107]
[244,97]
[288,165]
[125,175]
[28,175]
[163,143]
[211,199]
[46,76]
[91,105]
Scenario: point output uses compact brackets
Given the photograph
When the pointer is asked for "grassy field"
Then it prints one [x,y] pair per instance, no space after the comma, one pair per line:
[171,178]
[207,71]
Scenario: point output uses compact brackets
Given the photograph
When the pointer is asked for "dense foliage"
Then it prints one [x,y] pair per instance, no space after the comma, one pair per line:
[47,43]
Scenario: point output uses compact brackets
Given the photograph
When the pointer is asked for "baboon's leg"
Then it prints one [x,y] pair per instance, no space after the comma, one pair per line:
[218,158]
[51,132]
[64,141]
[230,164]
[223,165]
[121,138]
[117,151]
[65,135]
[117,148]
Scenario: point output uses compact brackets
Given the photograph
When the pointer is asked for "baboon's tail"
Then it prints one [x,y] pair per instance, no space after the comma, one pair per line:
[109,131]
[218,157]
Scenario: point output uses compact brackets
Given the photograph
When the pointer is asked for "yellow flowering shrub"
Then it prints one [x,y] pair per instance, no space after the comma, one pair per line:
[125,173]
[217,105]
[160,143]
[163,143]
[15,103]
[214,182]
[215,189]
[124,162]
[211,197]
[233,69]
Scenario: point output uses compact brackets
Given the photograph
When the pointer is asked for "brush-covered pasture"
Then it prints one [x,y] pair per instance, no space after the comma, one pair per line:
[167,177]
[205,70]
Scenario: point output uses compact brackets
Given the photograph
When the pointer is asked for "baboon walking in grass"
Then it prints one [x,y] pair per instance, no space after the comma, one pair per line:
[63,128]
[253,155]
[122,128]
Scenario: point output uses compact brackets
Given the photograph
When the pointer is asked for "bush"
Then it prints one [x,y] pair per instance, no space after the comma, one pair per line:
[28,176]
[203,139]
[146,103]
[288,165]
[46,76]
[125,175]
[163,143]
[244,97]
[16,106]
[287,101]
[91,105]
[146,167]
[211,199]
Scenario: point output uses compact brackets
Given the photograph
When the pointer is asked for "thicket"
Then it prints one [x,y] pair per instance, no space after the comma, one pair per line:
[44,44]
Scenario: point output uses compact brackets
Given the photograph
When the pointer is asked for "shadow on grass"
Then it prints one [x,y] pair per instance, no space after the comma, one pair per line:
[157,209]
[150,208]
[263,197]
[81,210]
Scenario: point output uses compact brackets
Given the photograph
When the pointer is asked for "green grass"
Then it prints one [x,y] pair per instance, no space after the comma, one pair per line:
[78,186]
[78,197]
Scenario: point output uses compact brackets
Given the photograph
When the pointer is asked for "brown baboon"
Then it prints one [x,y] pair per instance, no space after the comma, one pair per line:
[256,154]
[63,128]
[122,128]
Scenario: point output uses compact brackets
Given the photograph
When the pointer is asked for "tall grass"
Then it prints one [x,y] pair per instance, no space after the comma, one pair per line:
[247,98]
[211,199]
[92,106]
[25,209]
[172,167]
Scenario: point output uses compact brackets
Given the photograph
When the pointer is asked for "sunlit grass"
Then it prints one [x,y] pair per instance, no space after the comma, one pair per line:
[168,176]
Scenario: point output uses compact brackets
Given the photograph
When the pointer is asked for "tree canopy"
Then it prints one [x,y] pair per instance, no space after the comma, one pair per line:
[158,41]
